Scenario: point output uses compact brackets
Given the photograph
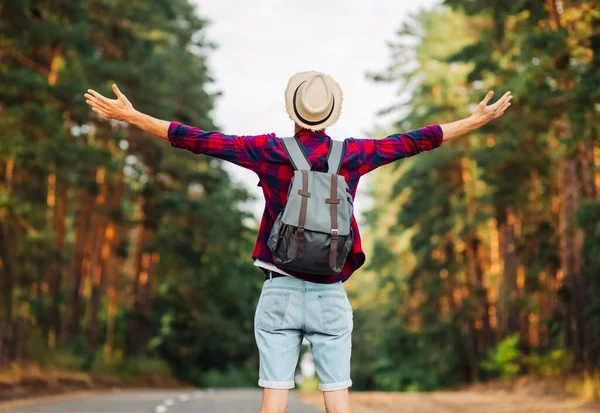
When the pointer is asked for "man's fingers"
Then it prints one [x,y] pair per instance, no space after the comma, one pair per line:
[95,105]
[96,108]
[100,112]
[98,96]
[502,101]
[505,98]
[502,110]
[505,103]
[115,89]
[487,98]
[94,101]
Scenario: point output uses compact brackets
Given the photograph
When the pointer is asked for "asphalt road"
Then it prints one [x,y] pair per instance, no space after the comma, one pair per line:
[185,401]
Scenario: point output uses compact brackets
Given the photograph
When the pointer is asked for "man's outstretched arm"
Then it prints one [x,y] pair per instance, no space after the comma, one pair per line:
[482,115]
[121,109]
[366,155]
[246,151]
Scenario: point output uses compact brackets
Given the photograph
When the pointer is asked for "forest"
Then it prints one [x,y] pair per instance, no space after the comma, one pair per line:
[119,253]
[113,246]
[485,253]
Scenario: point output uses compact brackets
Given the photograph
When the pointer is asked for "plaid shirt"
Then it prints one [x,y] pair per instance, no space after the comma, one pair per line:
[265,155]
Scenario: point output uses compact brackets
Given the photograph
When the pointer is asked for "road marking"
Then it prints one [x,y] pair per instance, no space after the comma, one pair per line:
[184,397]
[160,409]
[169,402]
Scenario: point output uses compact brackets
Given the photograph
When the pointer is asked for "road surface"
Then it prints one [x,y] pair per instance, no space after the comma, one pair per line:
[248,401]
[459,402]
[186,401]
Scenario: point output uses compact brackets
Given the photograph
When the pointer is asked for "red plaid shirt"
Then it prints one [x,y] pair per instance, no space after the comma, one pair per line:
[265,155]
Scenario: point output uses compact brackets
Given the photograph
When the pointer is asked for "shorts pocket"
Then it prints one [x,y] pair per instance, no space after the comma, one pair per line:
[271,310]
[336,312]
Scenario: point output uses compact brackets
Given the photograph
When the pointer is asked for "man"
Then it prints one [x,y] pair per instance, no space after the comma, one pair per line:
[294,305]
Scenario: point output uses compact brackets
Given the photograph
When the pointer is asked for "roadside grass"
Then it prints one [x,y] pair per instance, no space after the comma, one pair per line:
[586,387]
[309,384]
[64,371]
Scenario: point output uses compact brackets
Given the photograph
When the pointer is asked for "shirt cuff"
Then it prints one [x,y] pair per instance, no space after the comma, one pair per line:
[438,134]
[172,135]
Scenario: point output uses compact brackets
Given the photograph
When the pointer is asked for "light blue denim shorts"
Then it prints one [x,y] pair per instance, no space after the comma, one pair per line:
[288,310]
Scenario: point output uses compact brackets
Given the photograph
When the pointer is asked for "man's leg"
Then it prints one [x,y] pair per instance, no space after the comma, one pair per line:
[329,331]
[277,329]
[274,401]
[337,401]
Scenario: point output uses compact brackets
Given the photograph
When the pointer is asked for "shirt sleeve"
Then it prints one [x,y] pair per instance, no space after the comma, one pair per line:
[367,155]
[245,151]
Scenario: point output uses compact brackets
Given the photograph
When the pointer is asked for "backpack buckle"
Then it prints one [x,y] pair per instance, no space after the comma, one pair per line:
[335,234]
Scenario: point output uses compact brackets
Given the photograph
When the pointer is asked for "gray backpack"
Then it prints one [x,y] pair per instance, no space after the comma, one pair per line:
[313,233]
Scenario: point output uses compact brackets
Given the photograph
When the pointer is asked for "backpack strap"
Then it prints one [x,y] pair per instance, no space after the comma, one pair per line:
[295,154]
[335,156]
[333,202]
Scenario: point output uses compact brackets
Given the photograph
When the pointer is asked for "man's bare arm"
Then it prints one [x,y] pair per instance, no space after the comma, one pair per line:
[482,115]
[121,109]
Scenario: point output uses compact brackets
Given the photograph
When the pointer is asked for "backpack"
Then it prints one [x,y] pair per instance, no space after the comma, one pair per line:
[313,233]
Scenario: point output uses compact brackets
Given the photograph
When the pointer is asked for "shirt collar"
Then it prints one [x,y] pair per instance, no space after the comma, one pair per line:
[305,134]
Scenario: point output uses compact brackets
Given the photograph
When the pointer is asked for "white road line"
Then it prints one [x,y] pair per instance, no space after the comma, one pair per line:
[169,402]
[160,409]
[183,397]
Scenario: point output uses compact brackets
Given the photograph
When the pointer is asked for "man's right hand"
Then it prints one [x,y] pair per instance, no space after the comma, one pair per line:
[119,109]
[484,113]
[481,115]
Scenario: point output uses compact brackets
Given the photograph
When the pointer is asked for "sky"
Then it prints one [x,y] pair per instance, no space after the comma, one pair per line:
[261,43]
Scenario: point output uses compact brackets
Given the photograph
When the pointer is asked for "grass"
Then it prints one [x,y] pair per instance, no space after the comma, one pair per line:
[64,370]
[32,373]
[309,384]
[586,387]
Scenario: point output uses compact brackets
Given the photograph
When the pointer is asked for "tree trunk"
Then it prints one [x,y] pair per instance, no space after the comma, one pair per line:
[114,281]
[57,264]
[144,270]
[588,167]
[488,339]
[97,246]
[82,227]
[510,294]
[105,251]
[6,269]
[7,273]
[570,246]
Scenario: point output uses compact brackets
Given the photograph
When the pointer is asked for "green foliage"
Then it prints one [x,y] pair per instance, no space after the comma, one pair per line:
[502,360]
[588,218]
[310,384]
[232,376]
[187,205]
[554,363]
[133,370]
[471,240]
[389,357]
[35,346]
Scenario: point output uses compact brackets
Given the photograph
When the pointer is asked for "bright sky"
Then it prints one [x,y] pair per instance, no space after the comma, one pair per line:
[263,42]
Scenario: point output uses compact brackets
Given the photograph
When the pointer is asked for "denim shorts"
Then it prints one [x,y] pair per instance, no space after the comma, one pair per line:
[290,309]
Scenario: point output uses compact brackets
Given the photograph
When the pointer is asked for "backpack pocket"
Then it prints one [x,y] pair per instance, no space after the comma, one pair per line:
[283,242]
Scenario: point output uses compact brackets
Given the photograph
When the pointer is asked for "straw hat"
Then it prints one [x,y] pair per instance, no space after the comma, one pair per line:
[313,100]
